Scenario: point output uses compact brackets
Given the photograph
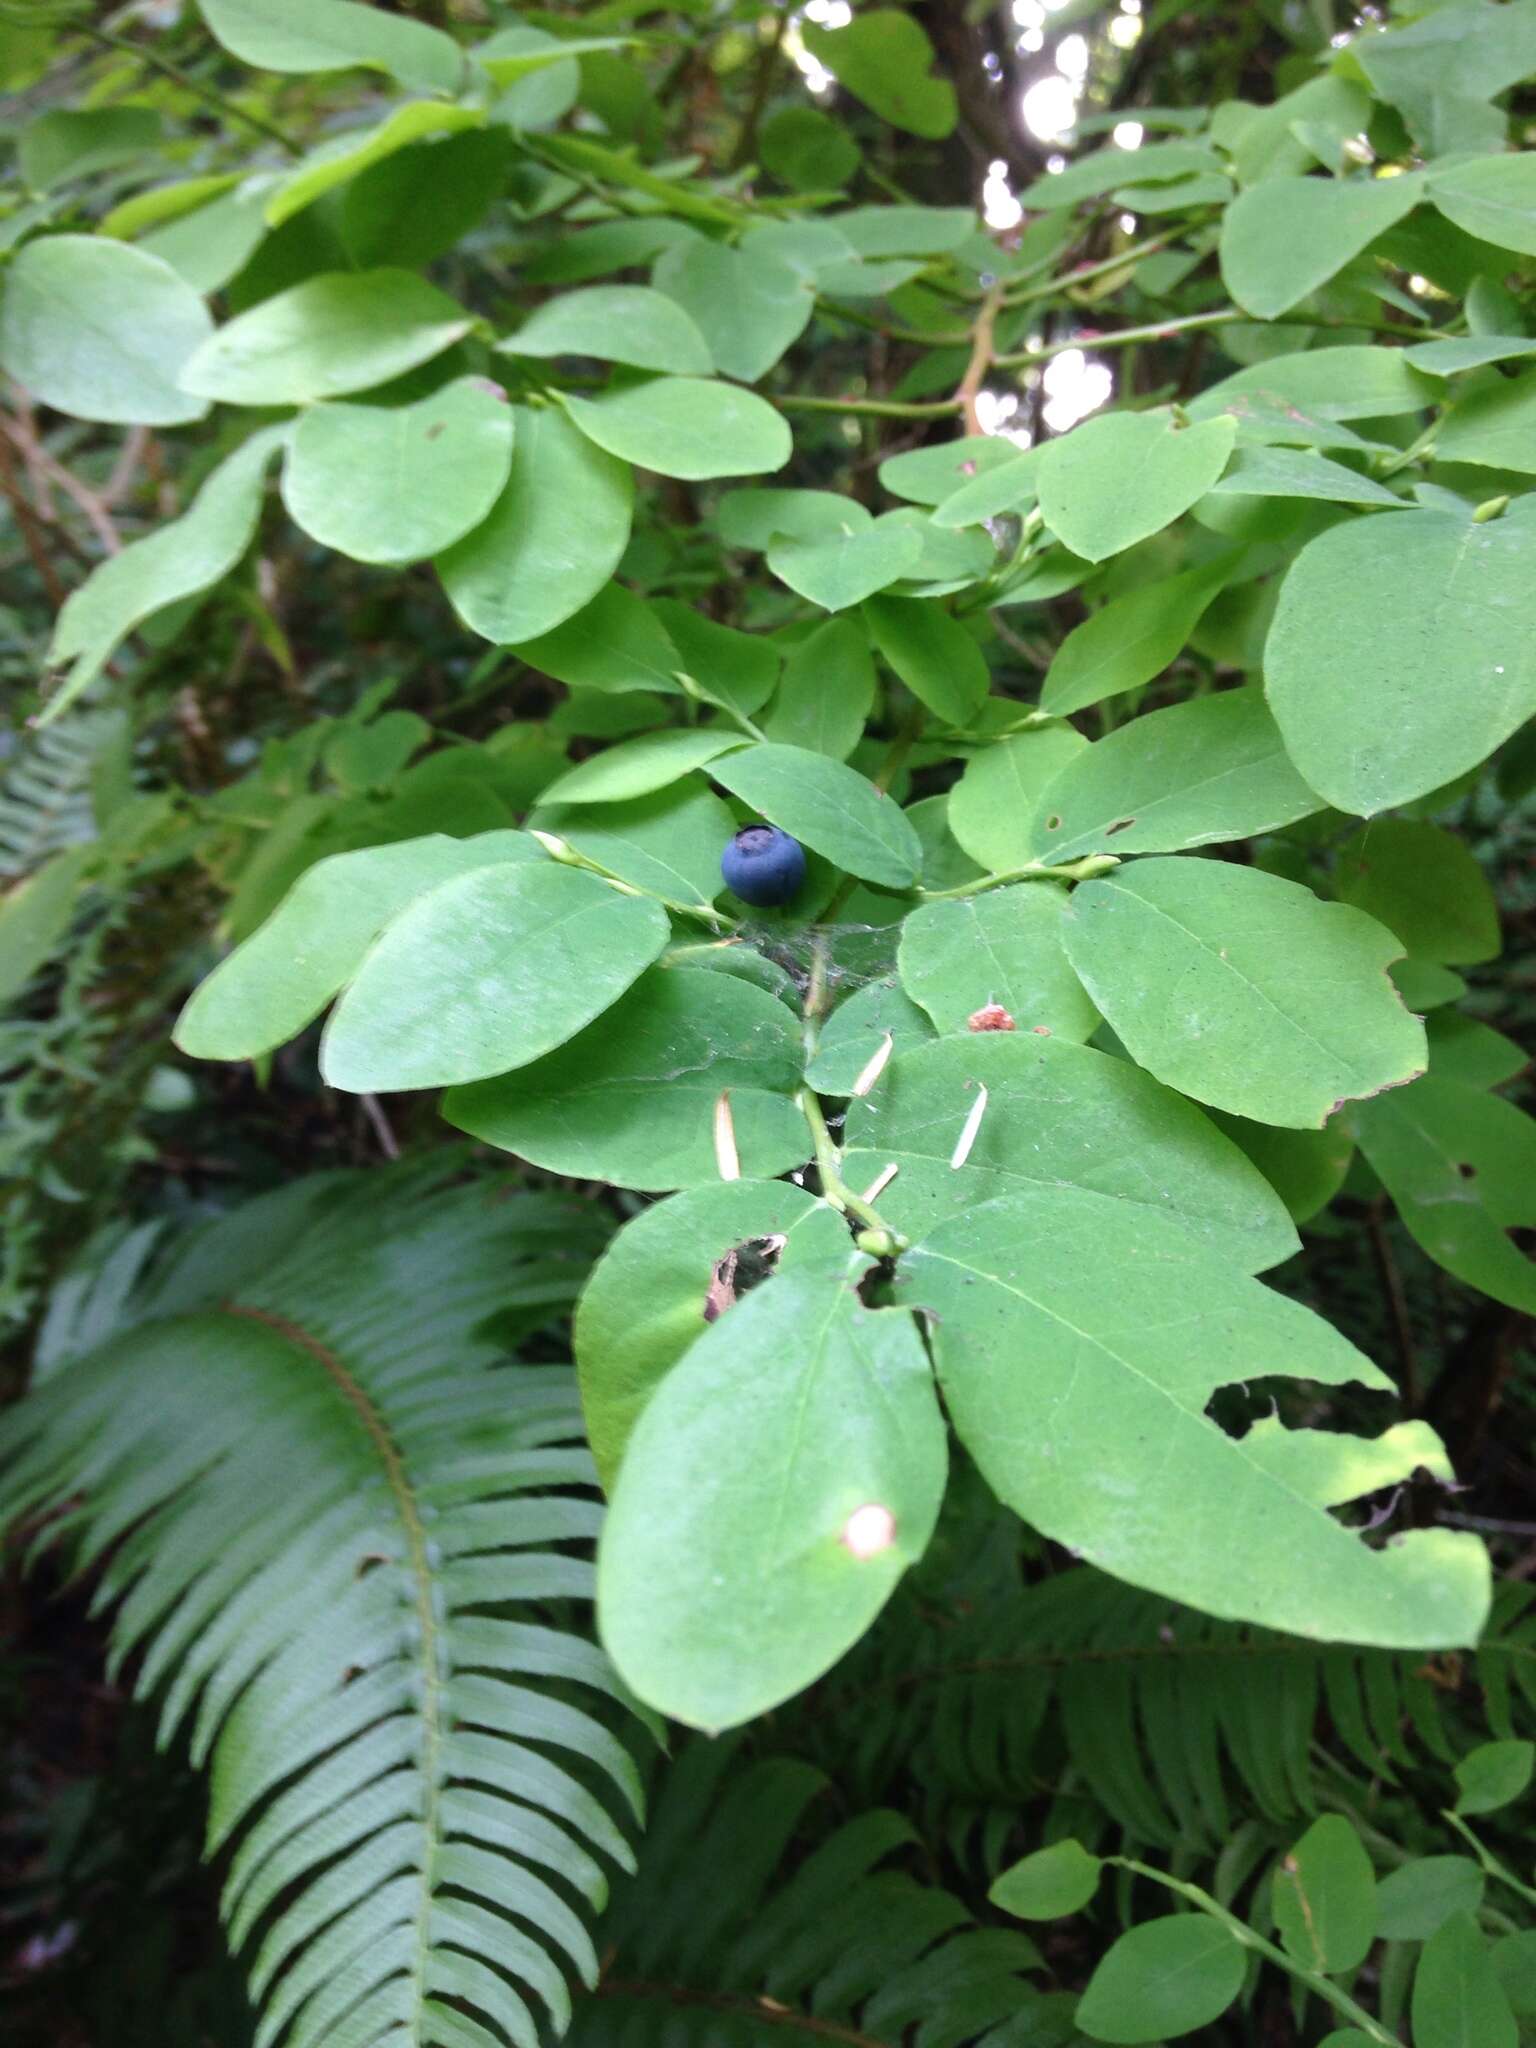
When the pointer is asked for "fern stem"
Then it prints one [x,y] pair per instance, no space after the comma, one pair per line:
[419,1566]
[1241,1932]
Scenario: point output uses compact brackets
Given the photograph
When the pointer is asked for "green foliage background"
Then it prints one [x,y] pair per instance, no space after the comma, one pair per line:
[674,1472]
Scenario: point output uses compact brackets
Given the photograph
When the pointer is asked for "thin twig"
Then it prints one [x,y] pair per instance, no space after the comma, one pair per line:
[969,387]
[27,520]
[187,82]
[87,500]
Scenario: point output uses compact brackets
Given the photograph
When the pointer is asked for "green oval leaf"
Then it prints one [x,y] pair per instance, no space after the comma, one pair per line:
[1079,1343]
[1129,640]
[885,59]
[826,692]
[1458,2001]
[1325,1898]
[1000,947]
[165,568]
[633,1099]
[748,305]
[101,331]
[1400,657]
[725,1584]
[841,569]
[1282,239]
[1050,1884]
[335,35]
[1460,1165]
[636,767]
[687,427]
[1166,1977]
[1493,1775]
[992,807]
[615,323]
[552,539]
[1121,476]
[933,654]
[485,972]
[398,483]
[1057,1115]
[1419,1897]
[832,808]
[283,976]
[657,1286]
[1244,990]
[1188,775]
[1492,197]
[321,339]
[1425,885]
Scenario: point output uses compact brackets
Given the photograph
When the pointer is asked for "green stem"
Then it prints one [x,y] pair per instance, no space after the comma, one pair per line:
[1241,1932]
[560,850]
[1487,1859]
[1158,330]
[155,62]
[1082,870]
[873,408]
[835,1189]
[1072,278]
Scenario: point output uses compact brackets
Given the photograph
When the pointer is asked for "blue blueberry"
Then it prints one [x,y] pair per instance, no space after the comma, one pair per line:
[763,865]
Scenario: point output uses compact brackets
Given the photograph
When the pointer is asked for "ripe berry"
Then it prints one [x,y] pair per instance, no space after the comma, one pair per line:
[763,865]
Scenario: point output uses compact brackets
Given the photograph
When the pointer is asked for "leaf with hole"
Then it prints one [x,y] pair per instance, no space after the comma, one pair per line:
[1460,1165]
[992,807]
[1188,775]
[1079,1342]
[659,1285]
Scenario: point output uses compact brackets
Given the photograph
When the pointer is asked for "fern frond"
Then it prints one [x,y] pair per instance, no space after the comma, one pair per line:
[340,1536]
[730,1936]
[1177,1723]
[46,797]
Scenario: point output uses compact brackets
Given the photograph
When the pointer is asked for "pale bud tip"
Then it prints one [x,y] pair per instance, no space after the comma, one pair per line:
[727,1160]
[868,1531]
